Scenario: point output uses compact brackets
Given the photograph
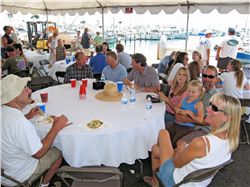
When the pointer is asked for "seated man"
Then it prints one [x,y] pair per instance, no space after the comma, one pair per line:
[114,71]
[14,64]
[209,78]
[98,62]
[79,70]
[123,57]
[23,153]
[145,77]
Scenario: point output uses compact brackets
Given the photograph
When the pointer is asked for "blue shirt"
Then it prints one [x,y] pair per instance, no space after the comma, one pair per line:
[98,62]
[119,73]
[189,106]
[163,64]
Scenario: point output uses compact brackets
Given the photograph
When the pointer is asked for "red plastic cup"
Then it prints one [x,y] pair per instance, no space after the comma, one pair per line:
[44,97]
[85,82]
[82,92]
[82,89]
[73,83]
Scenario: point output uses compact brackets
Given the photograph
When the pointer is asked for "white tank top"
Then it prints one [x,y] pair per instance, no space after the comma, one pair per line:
[53,43]
[218,154]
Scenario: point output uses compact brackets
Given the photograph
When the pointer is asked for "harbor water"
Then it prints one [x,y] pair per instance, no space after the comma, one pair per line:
[149,47]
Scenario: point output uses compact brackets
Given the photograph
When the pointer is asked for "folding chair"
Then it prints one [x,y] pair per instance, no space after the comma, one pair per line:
[163,77]
[26,183]
[165,88]
[60,74]
[43,63]
[244,117]
[155,66]
[198,175]
[91,176]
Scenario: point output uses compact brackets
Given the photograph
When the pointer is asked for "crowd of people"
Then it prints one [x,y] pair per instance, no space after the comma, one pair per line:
[201,122]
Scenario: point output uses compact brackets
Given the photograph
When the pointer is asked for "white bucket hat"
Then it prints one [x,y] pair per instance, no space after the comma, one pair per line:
[11,87]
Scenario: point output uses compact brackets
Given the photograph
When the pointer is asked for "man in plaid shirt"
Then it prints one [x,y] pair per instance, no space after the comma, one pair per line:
[79,70]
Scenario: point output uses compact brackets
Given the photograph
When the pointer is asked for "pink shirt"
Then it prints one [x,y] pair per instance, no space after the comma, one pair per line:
[176,101]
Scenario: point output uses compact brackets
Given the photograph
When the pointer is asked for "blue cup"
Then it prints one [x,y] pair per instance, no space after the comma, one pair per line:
[119,86]
[67,60]
[41,106]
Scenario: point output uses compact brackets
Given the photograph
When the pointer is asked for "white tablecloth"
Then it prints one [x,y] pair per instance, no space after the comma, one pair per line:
[128,133]
[59,66]
[35,57]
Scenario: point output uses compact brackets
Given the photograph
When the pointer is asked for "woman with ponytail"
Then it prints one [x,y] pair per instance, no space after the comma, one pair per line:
[234,80]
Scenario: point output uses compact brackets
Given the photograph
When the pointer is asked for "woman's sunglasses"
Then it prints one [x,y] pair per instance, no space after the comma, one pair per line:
[208,76]
[215,108]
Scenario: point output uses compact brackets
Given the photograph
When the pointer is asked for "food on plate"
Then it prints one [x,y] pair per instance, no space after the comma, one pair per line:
[94,124]
[46,120]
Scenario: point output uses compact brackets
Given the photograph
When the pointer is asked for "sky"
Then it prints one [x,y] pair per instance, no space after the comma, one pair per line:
[198,21]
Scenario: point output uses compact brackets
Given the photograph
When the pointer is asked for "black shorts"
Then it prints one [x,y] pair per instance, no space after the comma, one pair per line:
[223,62]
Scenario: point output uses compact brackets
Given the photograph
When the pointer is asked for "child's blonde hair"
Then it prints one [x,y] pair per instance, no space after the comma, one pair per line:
[197,84]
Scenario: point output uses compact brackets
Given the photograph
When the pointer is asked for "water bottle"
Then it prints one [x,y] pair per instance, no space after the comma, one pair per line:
[102,77]
[73,58]
[148,104]
[132,98]
[124,99]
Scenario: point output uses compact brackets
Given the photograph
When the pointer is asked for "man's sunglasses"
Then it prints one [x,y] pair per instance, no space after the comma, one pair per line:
[215,108]
[208,76]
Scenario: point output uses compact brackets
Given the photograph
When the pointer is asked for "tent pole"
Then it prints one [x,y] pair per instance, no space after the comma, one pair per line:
[187,25]
[103,23]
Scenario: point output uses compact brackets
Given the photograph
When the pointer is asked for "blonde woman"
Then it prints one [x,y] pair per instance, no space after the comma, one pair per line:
[223,116]
[177,93]
[234,80]
[51,44]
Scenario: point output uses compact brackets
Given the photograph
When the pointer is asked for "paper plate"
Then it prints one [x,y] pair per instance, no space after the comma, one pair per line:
[44,120]
[85,126]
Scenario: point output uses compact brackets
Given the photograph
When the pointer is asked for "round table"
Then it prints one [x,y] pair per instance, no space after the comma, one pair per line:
[59,66]
[128,133]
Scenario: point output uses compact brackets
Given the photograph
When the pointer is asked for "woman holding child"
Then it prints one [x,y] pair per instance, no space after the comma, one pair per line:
[177,93]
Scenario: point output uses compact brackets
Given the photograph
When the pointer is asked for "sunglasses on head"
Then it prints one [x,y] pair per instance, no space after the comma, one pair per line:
[208,76]
[215,108]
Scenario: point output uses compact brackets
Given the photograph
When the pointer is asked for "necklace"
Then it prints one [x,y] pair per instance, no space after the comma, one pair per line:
[17,106]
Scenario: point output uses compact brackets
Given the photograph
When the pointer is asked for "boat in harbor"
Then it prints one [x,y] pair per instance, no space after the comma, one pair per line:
[110,37]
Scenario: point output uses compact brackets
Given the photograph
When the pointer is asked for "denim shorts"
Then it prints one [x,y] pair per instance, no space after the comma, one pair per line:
[166,172]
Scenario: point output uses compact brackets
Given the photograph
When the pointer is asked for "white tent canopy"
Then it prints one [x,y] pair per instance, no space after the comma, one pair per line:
[54,7]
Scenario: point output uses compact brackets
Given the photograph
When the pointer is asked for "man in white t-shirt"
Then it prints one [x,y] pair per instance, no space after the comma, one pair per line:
[227,49]
[24,155]
[204,47]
